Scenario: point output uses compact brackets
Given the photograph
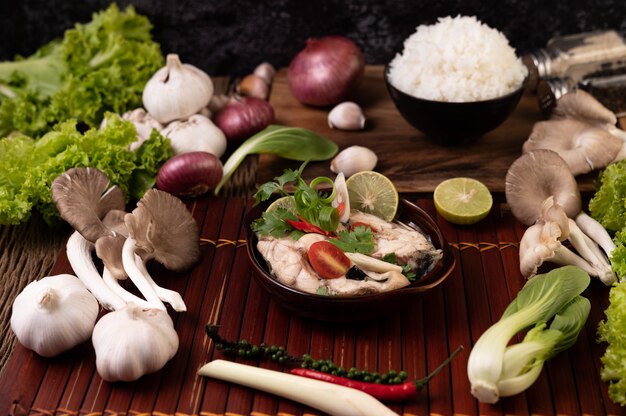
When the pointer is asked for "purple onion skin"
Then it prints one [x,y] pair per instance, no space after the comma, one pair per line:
[190,174]
[326,71]
[243,117]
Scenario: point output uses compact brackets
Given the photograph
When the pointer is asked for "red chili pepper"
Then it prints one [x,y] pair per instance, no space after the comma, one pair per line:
[387,392]
[307,227]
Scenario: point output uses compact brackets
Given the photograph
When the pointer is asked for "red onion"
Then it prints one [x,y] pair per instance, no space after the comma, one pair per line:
[326,71]
[243,117]
[190,174]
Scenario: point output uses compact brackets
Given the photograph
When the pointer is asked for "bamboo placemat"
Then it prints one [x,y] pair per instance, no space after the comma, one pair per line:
[219,290]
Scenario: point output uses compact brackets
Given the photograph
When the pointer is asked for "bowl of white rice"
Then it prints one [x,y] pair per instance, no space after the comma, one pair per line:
[456,80]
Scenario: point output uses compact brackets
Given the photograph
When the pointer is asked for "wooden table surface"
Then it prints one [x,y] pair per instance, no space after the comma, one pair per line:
[406,155]
[220,290]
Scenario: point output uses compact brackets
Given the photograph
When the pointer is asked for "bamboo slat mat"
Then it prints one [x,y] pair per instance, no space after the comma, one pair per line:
[219,290]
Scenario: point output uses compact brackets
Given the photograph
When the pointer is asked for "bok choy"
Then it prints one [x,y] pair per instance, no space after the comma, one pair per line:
[293,143]
[551,306]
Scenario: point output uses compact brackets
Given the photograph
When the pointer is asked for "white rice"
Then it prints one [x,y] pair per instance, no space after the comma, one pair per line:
[458,59]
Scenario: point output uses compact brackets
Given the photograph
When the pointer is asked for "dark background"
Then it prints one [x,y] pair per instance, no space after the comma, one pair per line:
[231,37]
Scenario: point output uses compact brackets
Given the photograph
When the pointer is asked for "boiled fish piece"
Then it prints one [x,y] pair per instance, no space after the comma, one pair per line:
[409,245]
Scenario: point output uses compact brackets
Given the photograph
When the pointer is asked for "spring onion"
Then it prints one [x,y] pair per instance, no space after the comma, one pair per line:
[551,305]
[288,142]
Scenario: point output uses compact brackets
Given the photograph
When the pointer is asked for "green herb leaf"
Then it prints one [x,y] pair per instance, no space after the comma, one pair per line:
[407,270]
[287,142]
[273,223]
[360,240]
[266,190]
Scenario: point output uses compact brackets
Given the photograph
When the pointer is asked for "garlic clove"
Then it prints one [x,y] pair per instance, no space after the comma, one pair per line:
[197,133]
[254,86]
[54,314]
[346,116]
[177,91]
[354,159]
[265,71]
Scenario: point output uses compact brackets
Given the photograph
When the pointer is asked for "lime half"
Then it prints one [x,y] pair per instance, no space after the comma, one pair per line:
[462,201]
[373,193]
[286,202]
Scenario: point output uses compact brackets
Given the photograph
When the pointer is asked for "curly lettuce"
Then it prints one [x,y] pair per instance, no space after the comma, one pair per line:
[28,166]
[611,331]
[608,206]
[97,67]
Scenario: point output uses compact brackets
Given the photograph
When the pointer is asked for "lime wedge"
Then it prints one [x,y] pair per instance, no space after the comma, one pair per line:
[286,202]
[462,201]
[373,193]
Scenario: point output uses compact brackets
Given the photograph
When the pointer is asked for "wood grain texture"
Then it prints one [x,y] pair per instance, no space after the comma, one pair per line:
[219,290]
[405,155]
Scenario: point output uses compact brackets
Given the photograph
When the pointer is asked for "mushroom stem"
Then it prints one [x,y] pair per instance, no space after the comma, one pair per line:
[596,232]
[590,251]
[138,278]
[115,286]
[79,255]
[166,295]
[564,256]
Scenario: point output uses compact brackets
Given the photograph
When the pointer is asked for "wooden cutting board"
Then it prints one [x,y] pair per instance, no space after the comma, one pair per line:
[406,155]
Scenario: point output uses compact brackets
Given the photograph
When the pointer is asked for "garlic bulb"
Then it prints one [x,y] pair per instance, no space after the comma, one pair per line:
[132,342]
[198,133]
[346,116]
[144,123]
[177,91]
[354,159]
[54,314]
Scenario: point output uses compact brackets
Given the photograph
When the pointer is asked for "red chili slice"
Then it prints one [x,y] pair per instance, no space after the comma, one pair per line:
[328,260]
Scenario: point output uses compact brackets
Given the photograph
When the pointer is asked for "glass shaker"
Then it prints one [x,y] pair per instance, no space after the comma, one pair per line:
[574,55]
[607,84]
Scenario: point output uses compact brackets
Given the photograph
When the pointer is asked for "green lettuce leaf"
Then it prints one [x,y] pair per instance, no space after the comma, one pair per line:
[97,67]
[29,166]
[611,331]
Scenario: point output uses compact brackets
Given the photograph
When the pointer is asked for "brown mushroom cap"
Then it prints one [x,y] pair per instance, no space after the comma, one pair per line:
[164,230]
[83,196]
[109,247]
[582,106]
[534,177]
[582,146]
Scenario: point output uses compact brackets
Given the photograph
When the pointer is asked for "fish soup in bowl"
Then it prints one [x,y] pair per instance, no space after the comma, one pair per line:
[343,300]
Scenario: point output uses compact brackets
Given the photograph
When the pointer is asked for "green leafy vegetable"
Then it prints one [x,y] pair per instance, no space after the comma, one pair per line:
[28,167]
[359,240]
[97,67]
[611,331]
[607,205]
[288,142]
[552,305]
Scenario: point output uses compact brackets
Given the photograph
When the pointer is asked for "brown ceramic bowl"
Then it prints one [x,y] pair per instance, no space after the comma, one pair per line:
[353,308]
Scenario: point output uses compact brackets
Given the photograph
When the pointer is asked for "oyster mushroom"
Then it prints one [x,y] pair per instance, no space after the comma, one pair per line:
[83,196]
[584,147]
[160,228]
[540,188]
[540,243]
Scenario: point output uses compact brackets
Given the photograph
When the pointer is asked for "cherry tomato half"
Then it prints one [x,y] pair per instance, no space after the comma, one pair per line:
[328,260]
